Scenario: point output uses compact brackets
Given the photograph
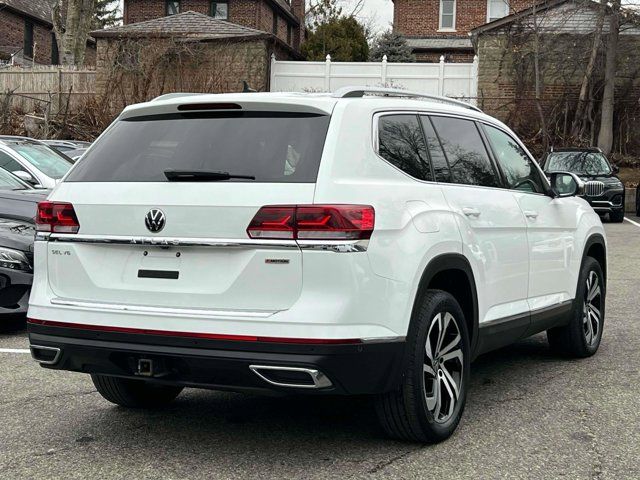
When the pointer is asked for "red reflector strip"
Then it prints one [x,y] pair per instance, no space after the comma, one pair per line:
[206,336]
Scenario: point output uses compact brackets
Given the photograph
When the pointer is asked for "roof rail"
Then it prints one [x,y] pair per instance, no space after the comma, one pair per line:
[168,96]
[359,92]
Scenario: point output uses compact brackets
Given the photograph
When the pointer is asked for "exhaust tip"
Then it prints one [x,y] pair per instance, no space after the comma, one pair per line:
[291,377]
[45,355]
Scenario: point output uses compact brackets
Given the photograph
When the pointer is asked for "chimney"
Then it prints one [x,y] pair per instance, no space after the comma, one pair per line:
[298,9]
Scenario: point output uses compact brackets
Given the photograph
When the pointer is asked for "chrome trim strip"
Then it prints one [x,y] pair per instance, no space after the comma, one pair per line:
[168,311]
[337,246]
[319,379]
[172,241]
[383,340]
[46,362]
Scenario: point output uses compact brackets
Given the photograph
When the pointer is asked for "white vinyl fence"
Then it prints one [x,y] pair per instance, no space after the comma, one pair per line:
[457,80]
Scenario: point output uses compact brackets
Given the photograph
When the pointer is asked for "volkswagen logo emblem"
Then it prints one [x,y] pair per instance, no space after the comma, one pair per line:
[155,220]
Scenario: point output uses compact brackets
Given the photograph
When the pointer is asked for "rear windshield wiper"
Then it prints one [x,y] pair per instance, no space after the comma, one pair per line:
[202,176]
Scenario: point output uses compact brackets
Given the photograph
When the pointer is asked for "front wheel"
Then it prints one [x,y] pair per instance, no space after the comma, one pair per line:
[581,337]
[428,405]
[134,393]
[617,217]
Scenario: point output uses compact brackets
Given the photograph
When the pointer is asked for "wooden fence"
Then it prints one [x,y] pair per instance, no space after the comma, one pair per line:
[36,88]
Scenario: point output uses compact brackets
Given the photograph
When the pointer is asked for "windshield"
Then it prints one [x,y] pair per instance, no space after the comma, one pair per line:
[581,163]
[43,158]
[10,182]
[270,146]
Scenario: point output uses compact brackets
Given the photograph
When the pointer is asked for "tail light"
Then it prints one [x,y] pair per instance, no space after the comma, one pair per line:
[313,222]
[56,217]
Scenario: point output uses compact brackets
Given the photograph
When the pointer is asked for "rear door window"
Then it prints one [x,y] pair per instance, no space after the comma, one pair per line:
[401,143]
[438,158]
[465,151]
[272,147]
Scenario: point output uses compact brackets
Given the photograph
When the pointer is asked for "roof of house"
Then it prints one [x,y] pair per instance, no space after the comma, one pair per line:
[187,25]
[39,9]
[440,43]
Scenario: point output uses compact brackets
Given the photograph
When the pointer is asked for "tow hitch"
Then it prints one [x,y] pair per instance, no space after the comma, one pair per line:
[145,367]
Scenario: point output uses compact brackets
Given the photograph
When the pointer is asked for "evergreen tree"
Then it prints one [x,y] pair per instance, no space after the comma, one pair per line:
[394,46]
[343,38]
[107,14]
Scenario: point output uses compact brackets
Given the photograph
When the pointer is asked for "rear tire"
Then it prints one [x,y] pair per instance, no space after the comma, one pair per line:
[617,217]
[134,393]
[581,337]
[428,405]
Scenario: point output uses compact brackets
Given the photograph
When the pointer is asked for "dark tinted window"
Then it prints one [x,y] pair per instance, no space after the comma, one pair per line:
[581,163]
[465,150]
[9,164]
[272,147]
[518,169]
[401,143]
[438,159]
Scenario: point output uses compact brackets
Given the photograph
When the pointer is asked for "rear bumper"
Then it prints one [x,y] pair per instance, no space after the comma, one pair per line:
[351,369]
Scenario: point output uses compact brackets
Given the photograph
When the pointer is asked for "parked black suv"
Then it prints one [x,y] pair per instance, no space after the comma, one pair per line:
[603,190]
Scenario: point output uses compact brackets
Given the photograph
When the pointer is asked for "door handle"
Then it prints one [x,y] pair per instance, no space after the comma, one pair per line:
[531,214]
[471,212]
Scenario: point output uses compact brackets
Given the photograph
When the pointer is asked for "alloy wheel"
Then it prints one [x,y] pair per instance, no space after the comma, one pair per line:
[443,366]
[592,316]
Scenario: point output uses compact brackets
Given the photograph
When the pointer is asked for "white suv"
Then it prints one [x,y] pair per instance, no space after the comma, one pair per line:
[365,242]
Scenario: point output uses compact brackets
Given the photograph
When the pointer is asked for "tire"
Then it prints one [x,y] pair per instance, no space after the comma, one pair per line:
[411,412]
[638,201]
[617,217]
[134,393]
[581,337]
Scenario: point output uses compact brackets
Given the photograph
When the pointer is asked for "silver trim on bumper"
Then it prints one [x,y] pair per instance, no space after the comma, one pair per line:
[50,349]
[319,379]
[165,311]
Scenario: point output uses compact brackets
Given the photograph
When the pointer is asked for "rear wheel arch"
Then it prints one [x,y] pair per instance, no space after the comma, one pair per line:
[452,273]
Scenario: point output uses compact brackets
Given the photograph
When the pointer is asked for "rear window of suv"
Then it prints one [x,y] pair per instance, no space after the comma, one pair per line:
[272,147]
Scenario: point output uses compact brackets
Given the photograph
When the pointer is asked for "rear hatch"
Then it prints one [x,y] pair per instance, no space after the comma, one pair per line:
[161,223]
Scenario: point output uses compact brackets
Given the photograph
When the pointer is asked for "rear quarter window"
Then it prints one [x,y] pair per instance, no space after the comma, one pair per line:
[272,147]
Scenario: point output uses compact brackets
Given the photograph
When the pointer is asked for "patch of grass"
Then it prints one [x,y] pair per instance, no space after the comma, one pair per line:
[630,176]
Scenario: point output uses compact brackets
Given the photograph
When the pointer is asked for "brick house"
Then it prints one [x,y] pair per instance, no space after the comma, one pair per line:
[564,30]
[281,18]
[26,34]
[442,27]
[183,52]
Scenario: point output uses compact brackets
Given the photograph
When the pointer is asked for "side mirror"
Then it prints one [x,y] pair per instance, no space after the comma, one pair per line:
[615,169]
[565,184]
[25,177]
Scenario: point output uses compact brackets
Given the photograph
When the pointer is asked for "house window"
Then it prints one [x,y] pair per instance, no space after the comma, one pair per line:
[274,27]
[173,7]
[28,40]
[220,10]
[447,14]
[289,33]
[55,55]
[497,9]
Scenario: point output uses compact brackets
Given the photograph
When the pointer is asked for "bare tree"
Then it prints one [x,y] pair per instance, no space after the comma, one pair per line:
[72,28]
[579,122]
[605,136]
